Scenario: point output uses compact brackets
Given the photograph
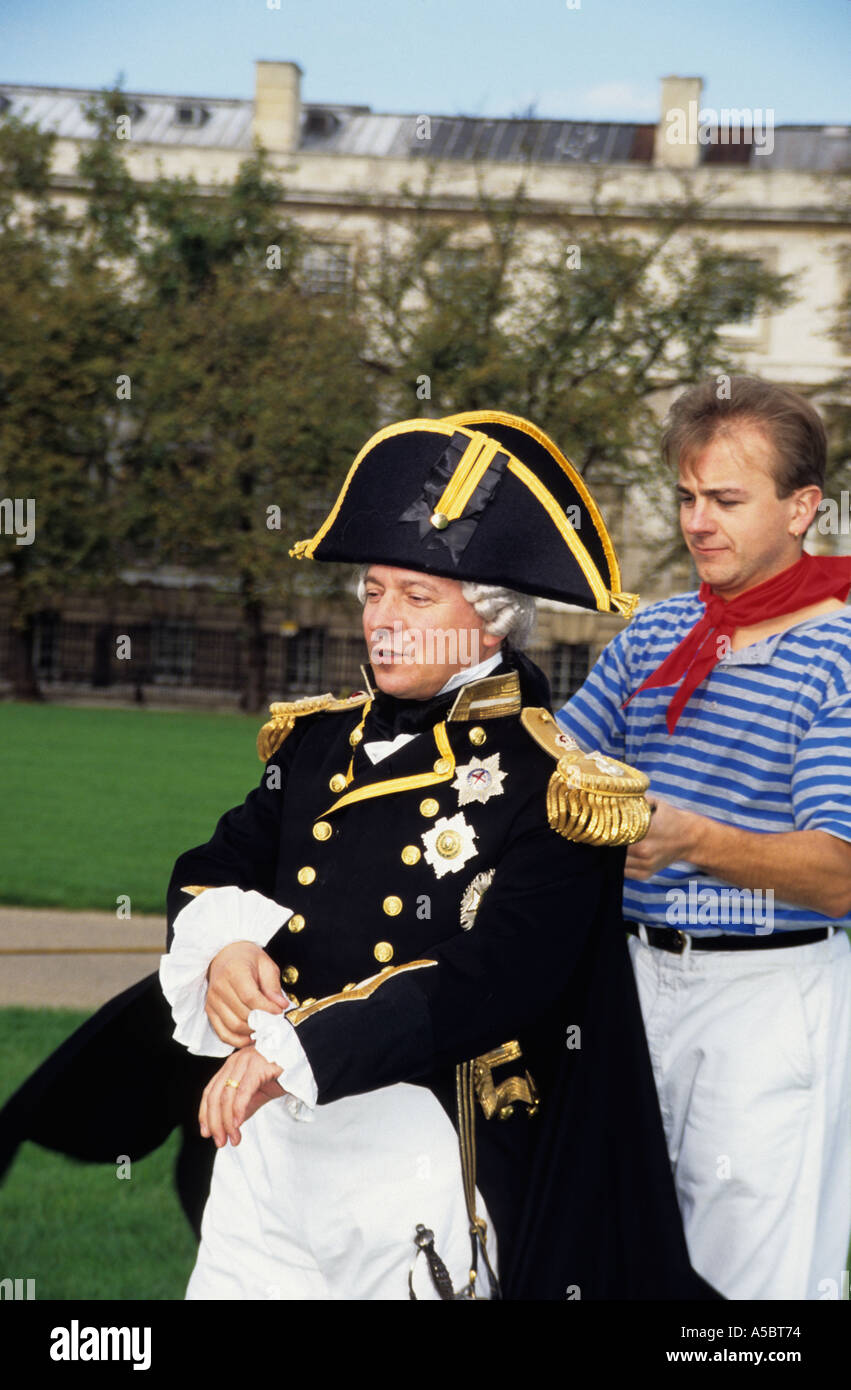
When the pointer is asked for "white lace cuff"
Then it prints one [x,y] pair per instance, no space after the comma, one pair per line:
[214,919]
[277,1041]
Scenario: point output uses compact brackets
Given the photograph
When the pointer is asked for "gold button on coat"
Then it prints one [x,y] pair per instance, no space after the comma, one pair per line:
[296,922]
[355,737]
[477,735]
[307,874]
[338,782]
[289,975]
[383,952]
[429,807]
[411,854]
[322,830]
[392,905]
[442,765]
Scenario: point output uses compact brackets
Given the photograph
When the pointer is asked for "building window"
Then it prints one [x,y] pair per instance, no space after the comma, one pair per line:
[191,115]
[569,665]
[319,124]
[734,301]
[46,637]
[304,654]
[461,260]
[325,268]
[172,652]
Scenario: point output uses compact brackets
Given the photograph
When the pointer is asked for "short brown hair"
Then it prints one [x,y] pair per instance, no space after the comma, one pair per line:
[792,424]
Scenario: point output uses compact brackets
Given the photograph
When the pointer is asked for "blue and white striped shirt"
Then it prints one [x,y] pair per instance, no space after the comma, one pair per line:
[763,743]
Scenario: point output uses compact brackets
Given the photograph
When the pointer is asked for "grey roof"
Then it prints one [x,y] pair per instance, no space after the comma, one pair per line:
[823,148]
[225,123]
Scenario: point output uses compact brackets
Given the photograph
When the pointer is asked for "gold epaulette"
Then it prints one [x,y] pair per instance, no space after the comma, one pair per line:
[591,798]
[284,715]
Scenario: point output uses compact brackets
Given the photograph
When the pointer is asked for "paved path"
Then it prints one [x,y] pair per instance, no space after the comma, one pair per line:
[73,960]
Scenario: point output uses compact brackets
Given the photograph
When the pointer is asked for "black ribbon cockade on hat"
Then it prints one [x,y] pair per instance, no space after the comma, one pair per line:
[456,535]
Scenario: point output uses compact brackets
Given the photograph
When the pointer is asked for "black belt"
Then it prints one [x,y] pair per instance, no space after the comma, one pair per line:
[671,939]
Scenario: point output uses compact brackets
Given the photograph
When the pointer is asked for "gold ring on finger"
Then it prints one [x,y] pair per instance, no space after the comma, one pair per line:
[230,1082]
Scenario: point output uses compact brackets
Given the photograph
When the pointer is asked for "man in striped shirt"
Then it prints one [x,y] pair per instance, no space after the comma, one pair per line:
[737,703]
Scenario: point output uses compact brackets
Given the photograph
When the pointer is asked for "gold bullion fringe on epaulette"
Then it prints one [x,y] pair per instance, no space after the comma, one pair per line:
[591,798]
[285,713]
[500,1099]
[596,810]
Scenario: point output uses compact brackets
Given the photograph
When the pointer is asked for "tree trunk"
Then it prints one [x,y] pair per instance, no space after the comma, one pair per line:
[254,693]
[21,667]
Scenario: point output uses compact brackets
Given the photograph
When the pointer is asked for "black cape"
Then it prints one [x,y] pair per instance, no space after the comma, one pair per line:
[581,1195]
[599,1219]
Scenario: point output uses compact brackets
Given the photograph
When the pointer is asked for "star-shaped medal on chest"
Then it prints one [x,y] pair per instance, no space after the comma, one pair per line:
[449,844]
[479,780]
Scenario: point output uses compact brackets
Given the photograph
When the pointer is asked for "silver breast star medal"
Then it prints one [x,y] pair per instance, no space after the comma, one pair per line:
[449,844]
[479,780]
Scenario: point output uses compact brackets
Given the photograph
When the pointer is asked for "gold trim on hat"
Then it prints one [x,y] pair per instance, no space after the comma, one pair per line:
[469,471]
[466,477]
[567,532]
[304,550]
[502,417]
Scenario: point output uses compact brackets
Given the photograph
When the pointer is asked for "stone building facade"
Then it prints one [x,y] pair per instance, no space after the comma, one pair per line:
[348,172]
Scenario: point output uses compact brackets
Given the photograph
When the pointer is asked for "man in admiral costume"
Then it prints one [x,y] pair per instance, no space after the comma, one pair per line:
[406,945]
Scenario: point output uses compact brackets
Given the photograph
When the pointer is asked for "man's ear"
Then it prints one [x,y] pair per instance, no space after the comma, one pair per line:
[490,642]
[806,501]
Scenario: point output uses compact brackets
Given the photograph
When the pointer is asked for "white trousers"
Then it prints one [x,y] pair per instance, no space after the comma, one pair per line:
[751,1052]
[328,1208]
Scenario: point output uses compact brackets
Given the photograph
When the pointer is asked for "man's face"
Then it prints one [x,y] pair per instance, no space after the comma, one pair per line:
[420,630]
[737,529]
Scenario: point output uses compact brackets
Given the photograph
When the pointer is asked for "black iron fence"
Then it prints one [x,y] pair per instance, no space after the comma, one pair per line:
[155,660]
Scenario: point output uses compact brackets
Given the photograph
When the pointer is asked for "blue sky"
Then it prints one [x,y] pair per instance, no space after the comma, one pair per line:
[480,57]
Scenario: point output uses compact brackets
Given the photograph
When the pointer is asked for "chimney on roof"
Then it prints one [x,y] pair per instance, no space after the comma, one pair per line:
[676,145]
[277,106]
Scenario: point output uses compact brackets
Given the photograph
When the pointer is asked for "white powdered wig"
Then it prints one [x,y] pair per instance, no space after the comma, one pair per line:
[504,612]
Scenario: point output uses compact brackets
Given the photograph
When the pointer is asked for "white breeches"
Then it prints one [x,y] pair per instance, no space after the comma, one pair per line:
[751,1052]
[328,1208]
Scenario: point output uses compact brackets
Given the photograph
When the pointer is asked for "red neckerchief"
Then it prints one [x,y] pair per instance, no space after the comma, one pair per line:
[812,579]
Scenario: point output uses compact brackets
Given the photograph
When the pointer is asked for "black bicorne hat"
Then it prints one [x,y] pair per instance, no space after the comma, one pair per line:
[482,496]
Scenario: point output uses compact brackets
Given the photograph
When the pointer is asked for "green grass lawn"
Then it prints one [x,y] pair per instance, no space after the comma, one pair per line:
[100,802]
[77,1229]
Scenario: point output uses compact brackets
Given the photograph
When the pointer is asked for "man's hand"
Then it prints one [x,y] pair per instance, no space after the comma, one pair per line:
[671,837]
[241,977]
[810,868]
[239,1088]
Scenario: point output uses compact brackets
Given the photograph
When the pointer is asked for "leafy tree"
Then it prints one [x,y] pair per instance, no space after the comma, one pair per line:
[63,334]
[582,324]
[254,402]
[166,381]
